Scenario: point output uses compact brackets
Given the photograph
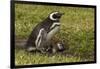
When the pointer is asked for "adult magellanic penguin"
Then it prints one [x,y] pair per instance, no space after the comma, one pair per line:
[40,37]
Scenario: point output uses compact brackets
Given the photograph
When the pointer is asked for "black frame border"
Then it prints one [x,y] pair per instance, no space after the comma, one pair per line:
[12,35]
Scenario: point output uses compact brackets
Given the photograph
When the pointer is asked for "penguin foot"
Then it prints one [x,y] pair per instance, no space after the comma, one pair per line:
[30,49]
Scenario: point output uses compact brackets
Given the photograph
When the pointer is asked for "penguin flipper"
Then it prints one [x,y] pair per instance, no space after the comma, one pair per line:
[42,42]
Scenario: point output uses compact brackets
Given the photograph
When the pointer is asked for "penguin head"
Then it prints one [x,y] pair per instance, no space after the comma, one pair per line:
[60,46]
[55,16]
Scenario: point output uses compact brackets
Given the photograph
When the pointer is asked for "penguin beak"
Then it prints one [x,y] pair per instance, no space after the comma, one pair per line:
[59,15]
[62,13]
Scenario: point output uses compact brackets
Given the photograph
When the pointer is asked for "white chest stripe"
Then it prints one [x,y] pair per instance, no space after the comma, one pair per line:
[37,41]
[54,25]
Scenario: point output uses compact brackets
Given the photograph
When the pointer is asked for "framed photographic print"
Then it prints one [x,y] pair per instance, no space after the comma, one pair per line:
[50,34]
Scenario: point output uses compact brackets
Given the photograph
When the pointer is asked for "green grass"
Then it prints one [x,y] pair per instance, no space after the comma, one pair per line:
[77,30]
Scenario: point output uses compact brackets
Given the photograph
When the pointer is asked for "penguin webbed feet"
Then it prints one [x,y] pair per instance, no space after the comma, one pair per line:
[31,49]
[59,47]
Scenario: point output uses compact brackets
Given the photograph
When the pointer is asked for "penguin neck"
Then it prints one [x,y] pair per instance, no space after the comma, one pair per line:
[48,24]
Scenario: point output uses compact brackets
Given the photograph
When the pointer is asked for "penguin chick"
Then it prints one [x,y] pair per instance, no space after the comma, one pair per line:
[57,45]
